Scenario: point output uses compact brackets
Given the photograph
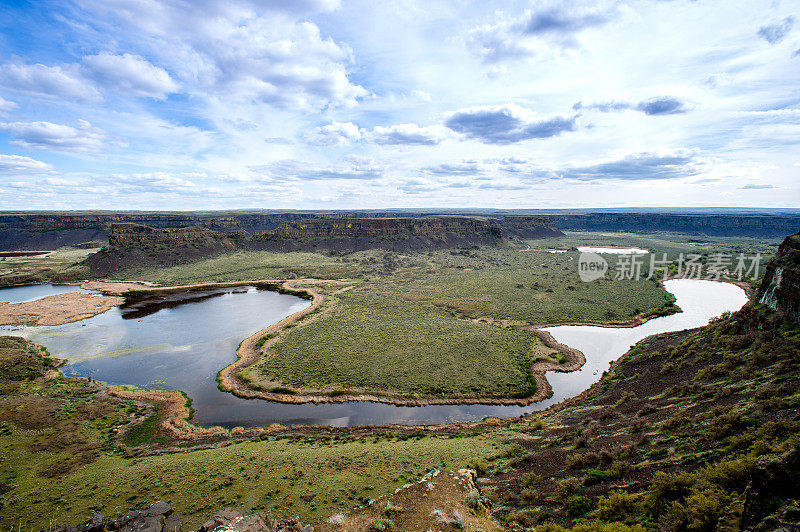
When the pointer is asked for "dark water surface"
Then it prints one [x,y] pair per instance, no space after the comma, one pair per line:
[183,346]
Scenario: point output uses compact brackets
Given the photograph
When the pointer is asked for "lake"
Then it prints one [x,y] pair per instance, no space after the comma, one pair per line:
[24,294]
[183,347]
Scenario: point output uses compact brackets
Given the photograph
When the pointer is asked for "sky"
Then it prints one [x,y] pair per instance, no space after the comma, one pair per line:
[351,104]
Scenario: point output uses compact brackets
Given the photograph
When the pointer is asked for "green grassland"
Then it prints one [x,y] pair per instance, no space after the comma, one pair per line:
[61,460]
[379,342]
[313,479]
[245,266]
[670,243]
[534,288]
[62,265]
[413,329]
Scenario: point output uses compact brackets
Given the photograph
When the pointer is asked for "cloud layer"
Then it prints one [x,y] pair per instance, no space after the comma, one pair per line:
[331,104]
[506,124]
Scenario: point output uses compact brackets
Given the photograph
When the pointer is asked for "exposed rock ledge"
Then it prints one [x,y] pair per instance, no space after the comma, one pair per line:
[439,501]
[780,289]
[160,517]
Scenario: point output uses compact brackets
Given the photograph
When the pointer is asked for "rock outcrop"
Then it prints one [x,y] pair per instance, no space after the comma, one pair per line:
[774,481]
[433,227]
[128,235]
[139,245]
[528,227]
[780,289]
[160,517]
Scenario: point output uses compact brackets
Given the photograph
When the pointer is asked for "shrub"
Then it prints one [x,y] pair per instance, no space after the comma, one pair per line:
[677,420]
[383,524]
[618,506]
[474,499]
[579,461]
[578,506]
[646,410]
[524,517]
[665,489]
[530,479]
[479,466]
[596,476]
[566,487]
[392,510]
[513,450]
[529,496]
[703,508]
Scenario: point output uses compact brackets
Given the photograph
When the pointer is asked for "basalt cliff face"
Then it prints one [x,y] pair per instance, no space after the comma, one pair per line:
[386,227]
[529,227]
[780,289]
[127,235]
[755,225]
[139,245]
[133,245]
[45,231]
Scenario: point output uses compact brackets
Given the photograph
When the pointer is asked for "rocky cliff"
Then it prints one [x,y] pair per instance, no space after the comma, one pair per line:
[432,227]
[133,245]
[528,227]
[20,231]
[128,235]
[139,245]
[755,225]
[780,289]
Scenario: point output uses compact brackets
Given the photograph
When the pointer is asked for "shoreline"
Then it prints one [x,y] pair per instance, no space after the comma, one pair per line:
[57,309]
[177,420]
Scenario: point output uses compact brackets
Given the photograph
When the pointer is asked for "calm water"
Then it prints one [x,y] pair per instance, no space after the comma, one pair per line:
[23,294]
[613,251]
[183,348]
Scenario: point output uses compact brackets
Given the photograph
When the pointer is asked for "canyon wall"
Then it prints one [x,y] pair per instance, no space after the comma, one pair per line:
[755,225]
[780,289]
[46,231]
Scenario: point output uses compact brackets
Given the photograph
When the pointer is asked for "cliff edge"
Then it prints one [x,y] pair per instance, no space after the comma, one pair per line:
[780,289]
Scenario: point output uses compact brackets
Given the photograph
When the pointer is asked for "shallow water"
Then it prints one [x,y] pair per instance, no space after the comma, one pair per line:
[613,251]
[24,294]
[183,347]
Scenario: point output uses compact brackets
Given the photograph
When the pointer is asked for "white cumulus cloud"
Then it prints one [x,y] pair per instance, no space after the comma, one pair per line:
[53,81]
[130,74]
[50,136]
[17,164]
[336,133]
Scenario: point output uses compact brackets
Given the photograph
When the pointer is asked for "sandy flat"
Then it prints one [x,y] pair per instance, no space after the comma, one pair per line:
[56,309]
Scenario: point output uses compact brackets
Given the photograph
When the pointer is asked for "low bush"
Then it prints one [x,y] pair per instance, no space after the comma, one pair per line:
[578,506]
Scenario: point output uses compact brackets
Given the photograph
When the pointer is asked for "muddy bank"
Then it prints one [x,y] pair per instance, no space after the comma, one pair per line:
[57,309]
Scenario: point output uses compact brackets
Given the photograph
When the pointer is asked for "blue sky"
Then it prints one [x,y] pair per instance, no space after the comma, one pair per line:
[202,104]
